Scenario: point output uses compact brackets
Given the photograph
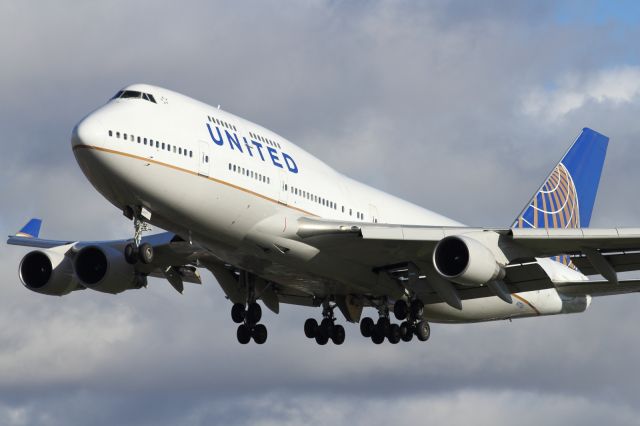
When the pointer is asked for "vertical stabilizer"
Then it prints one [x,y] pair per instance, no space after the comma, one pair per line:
[566,198]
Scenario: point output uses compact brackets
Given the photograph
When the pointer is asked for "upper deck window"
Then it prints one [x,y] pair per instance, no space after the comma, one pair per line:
[134,94]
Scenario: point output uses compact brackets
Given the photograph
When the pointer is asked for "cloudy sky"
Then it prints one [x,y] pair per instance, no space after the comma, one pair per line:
[462,107]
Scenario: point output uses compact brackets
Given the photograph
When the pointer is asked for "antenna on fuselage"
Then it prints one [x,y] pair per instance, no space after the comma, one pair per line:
[218,106]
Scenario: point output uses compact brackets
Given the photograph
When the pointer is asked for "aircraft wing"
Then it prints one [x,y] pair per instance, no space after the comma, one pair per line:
[174,259]
[396,249]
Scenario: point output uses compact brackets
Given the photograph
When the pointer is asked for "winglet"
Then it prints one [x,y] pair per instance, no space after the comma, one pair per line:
[31,229]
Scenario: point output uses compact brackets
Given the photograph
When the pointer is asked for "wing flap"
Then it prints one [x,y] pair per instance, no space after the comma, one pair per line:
[598,288]
[620,262]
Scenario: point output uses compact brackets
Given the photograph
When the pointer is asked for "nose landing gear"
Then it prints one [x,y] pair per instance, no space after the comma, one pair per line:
[134,251]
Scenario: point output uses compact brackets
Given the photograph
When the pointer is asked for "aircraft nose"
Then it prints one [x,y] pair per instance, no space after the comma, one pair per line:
[88,132]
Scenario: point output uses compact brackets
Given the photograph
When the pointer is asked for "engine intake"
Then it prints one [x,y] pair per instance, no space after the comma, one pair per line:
[47,272]
[103,268]
[466,261]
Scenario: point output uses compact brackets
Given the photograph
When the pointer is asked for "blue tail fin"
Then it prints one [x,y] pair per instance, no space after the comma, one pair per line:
[566,198]
[31,229]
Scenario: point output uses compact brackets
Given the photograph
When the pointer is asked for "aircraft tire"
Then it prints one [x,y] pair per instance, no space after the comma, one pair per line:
[130,254]
[416,308]
[338,335]
[400,309]
[366,326]
[254,313]
[243,334]
[377,335]
[310,327]
[259,334]
[322,335]
[393,334]
[145,252]
[406,333]
[423,331]
[238,313]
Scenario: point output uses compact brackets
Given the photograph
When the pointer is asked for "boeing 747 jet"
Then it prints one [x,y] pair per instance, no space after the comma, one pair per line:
[275,225]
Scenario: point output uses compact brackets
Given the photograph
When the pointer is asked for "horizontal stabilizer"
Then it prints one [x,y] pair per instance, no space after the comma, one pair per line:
[31,229]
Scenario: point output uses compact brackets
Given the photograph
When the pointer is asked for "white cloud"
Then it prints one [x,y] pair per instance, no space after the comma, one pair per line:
[611,86]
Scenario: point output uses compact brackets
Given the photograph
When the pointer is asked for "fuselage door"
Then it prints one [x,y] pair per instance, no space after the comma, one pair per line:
[204,158]
[284,189]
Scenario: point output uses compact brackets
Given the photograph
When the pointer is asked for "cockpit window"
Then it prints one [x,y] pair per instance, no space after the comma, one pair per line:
[134,94]
[131,94]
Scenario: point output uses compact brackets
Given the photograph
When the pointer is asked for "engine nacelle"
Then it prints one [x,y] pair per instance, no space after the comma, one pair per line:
[466,261]
[103,268]
[47,272]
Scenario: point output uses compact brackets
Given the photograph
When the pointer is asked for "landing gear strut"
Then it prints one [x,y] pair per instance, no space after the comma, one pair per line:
[249,315]
[327,329]
[134,251]
[413,323]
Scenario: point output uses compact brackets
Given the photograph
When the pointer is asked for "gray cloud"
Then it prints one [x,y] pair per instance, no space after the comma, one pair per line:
[424,100]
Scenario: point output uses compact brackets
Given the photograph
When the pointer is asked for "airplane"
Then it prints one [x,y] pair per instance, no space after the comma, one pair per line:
[276,225]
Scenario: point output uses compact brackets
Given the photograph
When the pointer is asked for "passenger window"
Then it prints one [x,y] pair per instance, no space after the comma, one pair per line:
[180,151]
[124,135]
[162,145]
[157,144]
[190,154]
[110,133]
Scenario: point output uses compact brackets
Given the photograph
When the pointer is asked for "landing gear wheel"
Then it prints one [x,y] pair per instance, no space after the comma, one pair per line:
[130,254]
[322,335]
[393,334]
[259,334]
[145,252]
[338,334]
[406,333]
[327,325]
[383,324]
[238,313]
[310,327]
[377,335]
[400,309]
[416,308]
[243,334]
[366,326]
[423,331]
[254,313]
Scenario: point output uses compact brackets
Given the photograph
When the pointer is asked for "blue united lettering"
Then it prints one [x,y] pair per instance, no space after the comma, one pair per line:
[266,154]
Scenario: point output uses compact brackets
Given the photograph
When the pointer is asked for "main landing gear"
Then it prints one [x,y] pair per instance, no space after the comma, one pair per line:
[327,329]
[134,251]
[248,316]
[413,324]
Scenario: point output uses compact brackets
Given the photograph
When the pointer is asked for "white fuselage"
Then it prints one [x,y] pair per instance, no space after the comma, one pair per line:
[212,177]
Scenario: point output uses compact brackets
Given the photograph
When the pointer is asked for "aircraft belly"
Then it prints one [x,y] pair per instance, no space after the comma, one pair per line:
[527,304]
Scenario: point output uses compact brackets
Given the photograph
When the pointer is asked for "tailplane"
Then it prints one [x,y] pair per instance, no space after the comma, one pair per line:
[566,198]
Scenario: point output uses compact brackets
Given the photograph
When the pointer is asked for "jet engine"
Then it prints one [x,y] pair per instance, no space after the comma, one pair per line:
[104,269]
[47,272]
[466,261]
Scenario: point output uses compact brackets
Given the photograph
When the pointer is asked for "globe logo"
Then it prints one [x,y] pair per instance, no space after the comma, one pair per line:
[555,205]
